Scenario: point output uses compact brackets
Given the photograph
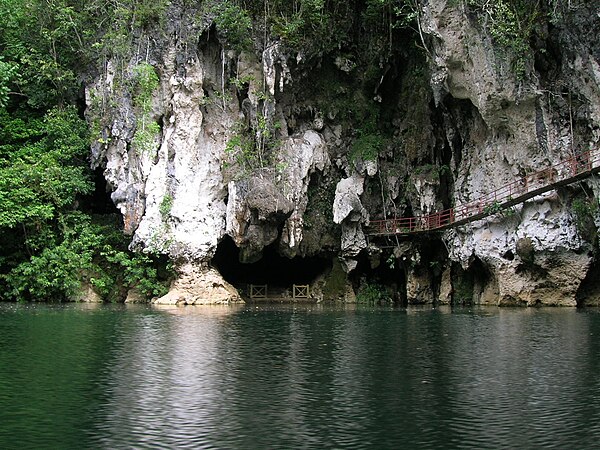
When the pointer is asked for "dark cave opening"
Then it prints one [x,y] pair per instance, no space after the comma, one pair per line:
[469,285]
[272,269]
[434,256]
[383,270]
[588,293]
[99,201]
[390,269]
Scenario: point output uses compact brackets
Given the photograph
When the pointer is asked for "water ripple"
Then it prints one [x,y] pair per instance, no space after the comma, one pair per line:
[117,377]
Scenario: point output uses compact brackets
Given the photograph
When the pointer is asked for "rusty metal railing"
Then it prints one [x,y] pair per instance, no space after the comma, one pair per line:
[572,168]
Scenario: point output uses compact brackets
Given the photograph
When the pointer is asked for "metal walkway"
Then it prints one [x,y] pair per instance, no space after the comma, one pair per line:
[566,172]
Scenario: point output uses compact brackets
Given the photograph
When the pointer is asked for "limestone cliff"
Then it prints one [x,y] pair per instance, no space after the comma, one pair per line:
[517,126]
[279,149]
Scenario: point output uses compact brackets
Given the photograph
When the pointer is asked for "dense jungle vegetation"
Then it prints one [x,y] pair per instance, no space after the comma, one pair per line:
[54,234]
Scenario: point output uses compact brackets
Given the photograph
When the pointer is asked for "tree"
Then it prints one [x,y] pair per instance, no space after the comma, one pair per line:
[48,245]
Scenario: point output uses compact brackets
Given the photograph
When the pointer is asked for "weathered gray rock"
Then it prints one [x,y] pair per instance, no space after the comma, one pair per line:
[468,113]
[419,288]
[199,285]
[544,274]
[513,130]
[87,294]
[445,294]
[255,210]
[351,214]
[134,295]
[301,156]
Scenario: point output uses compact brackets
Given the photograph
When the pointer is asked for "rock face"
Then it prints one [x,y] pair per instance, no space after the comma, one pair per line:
[264,160]
[301,156]
[199,286]
[536,259]
[87,294]
[351,214]
[171,195]
[255,212]
[514,129]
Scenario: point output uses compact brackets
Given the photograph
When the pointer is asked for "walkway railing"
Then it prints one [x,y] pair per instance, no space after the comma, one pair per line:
[518,191]
[257,291]
[300,291]
[262,292]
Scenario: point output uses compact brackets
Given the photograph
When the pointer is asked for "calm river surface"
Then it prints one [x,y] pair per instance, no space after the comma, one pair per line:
[112,377]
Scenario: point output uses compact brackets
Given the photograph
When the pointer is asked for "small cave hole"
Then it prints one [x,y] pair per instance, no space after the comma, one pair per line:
[509,255]
[99,201]
[588,293]
[470,286]
[386,274]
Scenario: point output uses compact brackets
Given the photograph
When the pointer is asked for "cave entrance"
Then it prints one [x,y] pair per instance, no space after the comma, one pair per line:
[395,273]
[99,202]
[588,293]
[379,278]
[472,286]
[274,270]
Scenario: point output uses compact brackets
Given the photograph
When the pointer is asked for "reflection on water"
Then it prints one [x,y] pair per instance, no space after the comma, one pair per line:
[298,377]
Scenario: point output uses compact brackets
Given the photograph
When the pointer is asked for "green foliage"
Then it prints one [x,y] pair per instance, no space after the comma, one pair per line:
[114,24]
[585,211]
[511,24]
[53,274]
[314,27]
[241,82]
[41,166]
[165,206]
[145,81]
[8,72]
[386,15]
[43,171]
[249,147]
[144,139]
[82,248]
[48,246]
[44,43]
[492,208]
[144,13]
[52,40]
[234,24]
[304,26]
[370,141]
[37,37]
[217,98]
[123,271]
[366,147]
[373,294]
[241,151]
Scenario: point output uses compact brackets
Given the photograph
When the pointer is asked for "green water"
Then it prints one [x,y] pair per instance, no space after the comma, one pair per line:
[283,377]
